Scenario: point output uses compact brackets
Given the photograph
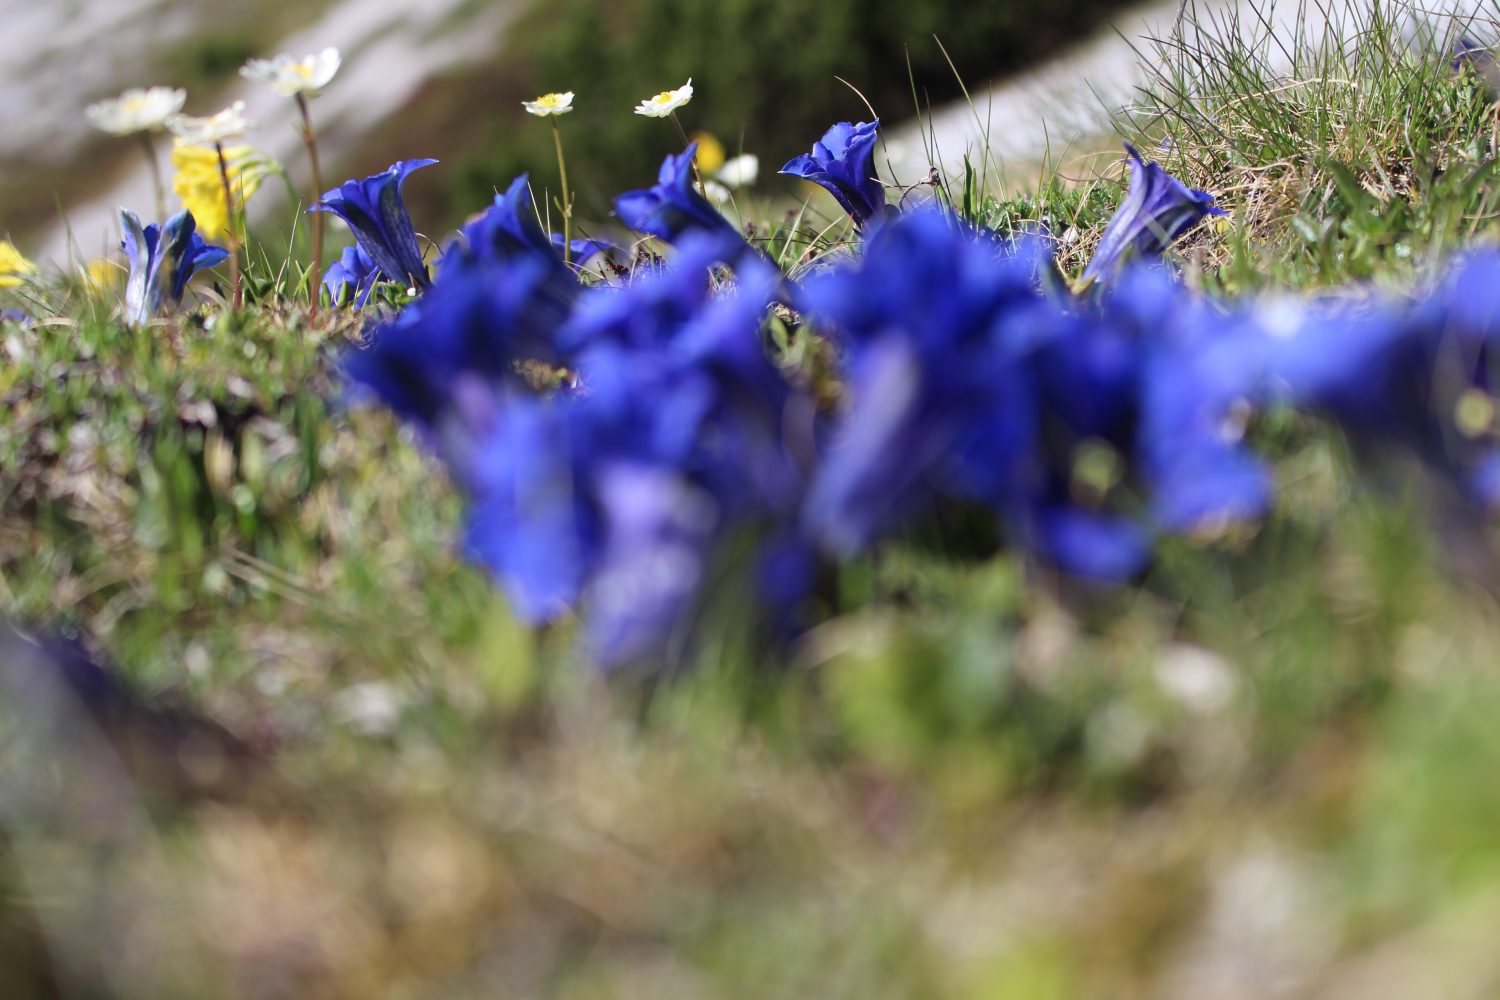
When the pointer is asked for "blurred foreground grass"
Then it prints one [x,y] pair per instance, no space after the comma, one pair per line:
[1267,770]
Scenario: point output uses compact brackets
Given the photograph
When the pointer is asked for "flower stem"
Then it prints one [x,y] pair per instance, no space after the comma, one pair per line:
[567,196]
[149,149]
[237,294]
[697,174]
[310,138]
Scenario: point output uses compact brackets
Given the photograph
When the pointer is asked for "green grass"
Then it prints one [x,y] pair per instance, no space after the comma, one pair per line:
[1355,161]
[1273,759]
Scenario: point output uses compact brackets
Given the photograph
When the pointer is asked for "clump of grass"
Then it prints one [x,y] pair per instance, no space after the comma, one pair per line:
[1344,150]
[157,485]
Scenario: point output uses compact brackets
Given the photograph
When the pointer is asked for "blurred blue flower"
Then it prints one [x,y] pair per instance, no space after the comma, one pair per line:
[1421,377]
[1088,543]
[673,206]
[661,530]
[843,163]
[582,250]
[672,443]
[1202,373]
[1467,51]
[374,210]
[935,326]
[1158,208]
[1087,432]
[441,361]
[680,376]
[532,519]
[162,262]
[352,278]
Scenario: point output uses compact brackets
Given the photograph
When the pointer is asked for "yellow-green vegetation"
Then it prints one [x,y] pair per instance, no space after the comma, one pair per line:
[341,769]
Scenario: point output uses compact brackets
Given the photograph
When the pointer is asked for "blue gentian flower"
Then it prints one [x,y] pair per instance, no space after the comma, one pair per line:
[843,163]
[532,520]
[936,327]
[1158,208]
[441,361]
[374,210]
[682,376]
[969,385]
[689,415]
[673,206]
[1423,378]
[500,296]
[1467,51]
[509,229]
[661,530]
[162,262]
[615,500]
[1202,373]
[582,250]
[352,278]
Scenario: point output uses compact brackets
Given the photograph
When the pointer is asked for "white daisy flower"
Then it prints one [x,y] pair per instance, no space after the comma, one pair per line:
[227,124]
[291,77]
[717,193]
[550,104]
[136,110]
[740,171]
[668,101]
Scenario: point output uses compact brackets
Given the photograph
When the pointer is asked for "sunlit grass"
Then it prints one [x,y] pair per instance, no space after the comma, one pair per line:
[1269,763]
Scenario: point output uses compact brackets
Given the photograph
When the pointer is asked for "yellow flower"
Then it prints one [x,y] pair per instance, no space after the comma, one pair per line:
[13,267]
[710,152]
[196,181]
[102,275]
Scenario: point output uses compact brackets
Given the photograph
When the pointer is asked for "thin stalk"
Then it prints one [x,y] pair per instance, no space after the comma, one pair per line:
[310,138]
[237,295]
[567,196]
[149,149]
[697,174]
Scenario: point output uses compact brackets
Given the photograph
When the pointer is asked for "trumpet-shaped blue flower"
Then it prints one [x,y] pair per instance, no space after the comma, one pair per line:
[673,206]
[1421,377]
[843,163]
[162,262]
[1467,51]
[352,278]
[1158,208]
[509,229]
[936,327]
[682,378]
[533,520]
[662,529]
[968,384]
[374,210]
[441,362]
[616,499]
[582,250]
[1202,372]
